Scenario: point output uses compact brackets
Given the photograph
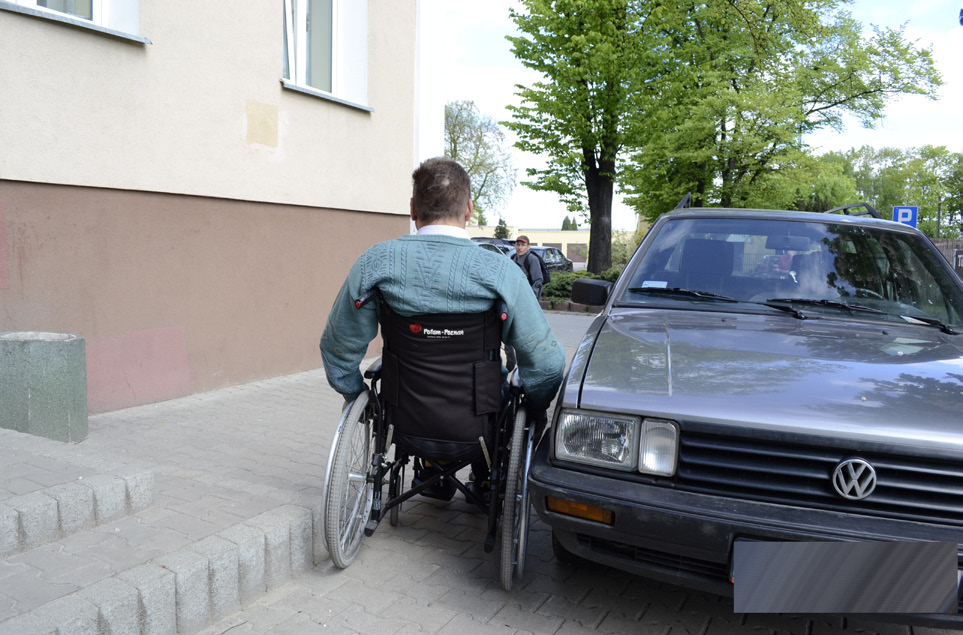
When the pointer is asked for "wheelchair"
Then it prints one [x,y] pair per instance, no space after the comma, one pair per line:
[435,399]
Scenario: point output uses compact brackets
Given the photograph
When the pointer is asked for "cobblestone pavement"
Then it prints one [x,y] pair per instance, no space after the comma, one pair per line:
[244,453]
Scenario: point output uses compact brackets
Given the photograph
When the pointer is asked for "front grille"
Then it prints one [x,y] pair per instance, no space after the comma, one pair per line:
[909,488]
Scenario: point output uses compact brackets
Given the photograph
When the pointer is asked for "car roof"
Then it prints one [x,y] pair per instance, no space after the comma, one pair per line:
[775,214]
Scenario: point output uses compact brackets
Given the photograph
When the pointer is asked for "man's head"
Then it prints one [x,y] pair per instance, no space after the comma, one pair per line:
[521,245]
[441,193]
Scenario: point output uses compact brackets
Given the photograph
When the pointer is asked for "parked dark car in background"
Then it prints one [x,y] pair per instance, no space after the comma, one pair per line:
[504,250]
[554,259]
[494,241]
[760,376]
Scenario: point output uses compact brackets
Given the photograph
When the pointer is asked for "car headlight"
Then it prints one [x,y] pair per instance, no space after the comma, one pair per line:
[626,443]
[598,439]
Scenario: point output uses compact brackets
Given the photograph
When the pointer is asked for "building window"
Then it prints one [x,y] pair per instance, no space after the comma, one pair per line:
[79,8]
[122,16]
[326,47]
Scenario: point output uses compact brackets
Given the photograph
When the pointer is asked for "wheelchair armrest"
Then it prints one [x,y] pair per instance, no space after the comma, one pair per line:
[374,370]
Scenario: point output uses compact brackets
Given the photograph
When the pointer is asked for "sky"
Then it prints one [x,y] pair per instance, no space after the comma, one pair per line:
[464,56]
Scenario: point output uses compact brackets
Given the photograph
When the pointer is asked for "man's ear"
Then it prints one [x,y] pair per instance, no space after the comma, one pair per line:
[469,211]
[411,207]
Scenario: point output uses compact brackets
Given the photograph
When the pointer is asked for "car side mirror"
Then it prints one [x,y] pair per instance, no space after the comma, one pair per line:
[590,291]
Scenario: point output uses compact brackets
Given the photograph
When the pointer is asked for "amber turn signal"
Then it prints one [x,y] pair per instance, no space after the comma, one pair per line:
[580,510]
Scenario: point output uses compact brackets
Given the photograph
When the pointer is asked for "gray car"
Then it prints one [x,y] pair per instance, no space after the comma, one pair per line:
[760,376]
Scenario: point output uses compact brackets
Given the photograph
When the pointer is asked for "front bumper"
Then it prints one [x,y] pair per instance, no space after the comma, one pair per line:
[686,539]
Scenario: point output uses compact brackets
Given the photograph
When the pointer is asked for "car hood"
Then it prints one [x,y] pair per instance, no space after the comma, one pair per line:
[881,384]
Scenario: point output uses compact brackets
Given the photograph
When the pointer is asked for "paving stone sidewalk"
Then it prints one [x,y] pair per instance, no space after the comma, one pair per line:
[228,540]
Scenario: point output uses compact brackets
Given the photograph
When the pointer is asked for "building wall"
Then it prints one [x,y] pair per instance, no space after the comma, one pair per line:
[201,109]
[177,207]
[175,294]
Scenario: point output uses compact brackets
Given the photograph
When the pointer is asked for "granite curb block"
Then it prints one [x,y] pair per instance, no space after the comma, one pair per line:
[31,520]
[184,591]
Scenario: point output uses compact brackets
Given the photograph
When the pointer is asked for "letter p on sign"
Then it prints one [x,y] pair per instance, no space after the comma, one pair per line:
[905,215]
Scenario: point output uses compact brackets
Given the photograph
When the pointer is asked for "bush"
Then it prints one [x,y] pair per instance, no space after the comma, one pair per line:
[612,273]
[560,288]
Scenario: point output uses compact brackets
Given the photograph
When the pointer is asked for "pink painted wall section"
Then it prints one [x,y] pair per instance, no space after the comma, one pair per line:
[138,368]
[4,266]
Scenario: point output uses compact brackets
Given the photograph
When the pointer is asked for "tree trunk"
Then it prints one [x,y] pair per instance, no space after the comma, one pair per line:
[701,186]
[600,188]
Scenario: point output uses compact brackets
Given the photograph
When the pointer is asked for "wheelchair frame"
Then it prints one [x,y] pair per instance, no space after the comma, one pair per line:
[359,464]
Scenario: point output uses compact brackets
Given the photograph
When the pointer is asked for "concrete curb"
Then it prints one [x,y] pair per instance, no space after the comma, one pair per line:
[57,511]
[186,590]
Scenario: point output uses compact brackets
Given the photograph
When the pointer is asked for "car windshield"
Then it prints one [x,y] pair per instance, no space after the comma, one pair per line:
[813,267]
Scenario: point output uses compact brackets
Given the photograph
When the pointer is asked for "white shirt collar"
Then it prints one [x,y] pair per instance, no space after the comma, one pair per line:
[443,230]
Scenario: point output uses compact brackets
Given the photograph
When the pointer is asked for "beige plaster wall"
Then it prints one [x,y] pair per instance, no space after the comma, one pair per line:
[201,110]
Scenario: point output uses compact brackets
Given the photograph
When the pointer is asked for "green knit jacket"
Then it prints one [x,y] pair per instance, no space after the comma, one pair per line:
[440,274]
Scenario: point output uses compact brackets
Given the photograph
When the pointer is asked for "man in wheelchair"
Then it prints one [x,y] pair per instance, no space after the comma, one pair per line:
[444,306]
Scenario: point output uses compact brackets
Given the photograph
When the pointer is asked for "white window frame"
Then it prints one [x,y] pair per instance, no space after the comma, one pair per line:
[349,51]
[119,18]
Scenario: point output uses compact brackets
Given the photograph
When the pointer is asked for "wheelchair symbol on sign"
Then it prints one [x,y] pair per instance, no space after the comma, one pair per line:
[906,215]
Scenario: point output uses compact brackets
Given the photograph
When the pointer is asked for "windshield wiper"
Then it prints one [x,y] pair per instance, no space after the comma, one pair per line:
[791,310]
[691,293]
[931,321]
[715,296]
[830,303]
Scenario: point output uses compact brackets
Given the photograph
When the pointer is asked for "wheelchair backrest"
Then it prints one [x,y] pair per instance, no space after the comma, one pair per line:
[441,380]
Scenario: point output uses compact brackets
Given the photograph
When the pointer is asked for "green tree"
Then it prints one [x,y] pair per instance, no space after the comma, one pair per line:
[477,142]
[588,53]
[732,88]
[953,205]
[501,230]
[929,177]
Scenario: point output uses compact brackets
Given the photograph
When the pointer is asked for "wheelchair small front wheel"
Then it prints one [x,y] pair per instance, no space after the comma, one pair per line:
[348,491]
[515,512]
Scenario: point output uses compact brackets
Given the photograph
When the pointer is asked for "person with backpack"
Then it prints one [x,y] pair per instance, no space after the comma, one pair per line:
[530,263]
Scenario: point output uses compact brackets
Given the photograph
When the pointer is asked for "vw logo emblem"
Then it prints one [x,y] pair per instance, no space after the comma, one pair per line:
[854,479]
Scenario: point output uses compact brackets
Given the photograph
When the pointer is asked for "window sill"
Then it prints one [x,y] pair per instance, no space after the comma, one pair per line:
[71,21]
[289,85]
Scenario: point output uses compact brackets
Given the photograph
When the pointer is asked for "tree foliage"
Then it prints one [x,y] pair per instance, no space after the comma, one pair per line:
[477,142]
[501,230]
[928,177]
[712,97]
[734,86]
[588,52]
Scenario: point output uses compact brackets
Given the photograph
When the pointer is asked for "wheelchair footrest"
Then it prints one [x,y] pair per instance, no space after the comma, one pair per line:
[370,527]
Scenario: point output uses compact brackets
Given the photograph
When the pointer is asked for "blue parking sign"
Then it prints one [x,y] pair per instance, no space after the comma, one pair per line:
[905,214]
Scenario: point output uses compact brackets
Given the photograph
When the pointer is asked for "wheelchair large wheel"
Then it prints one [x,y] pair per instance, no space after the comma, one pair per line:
[515,512]
[348,492]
